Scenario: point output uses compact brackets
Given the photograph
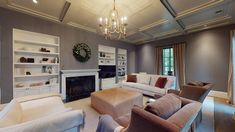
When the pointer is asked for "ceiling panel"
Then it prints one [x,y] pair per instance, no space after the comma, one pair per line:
[153,13]
[43,6]
[102,8]
[209,14]
[147,19]
[138,36]
[183,5]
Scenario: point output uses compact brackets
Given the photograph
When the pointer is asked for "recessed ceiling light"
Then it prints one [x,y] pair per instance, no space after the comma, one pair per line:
[35,1]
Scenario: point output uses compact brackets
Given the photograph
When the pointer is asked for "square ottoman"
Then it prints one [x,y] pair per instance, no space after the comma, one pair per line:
[116,101]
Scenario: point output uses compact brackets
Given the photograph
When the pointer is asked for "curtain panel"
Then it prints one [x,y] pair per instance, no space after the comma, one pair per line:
[158,68]
[179,64]
[230,89]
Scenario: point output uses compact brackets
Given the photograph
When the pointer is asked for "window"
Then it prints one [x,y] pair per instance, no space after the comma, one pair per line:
[168,61]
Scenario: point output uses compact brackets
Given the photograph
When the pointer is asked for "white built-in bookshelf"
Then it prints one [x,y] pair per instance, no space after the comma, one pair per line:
[36,63]
[107,57]
[121,64]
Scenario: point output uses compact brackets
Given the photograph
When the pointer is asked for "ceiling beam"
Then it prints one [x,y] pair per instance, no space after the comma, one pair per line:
[64,11]
[173,13]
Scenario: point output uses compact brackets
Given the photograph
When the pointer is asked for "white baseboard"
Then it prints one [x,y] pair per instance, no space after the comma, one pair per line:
[218,94]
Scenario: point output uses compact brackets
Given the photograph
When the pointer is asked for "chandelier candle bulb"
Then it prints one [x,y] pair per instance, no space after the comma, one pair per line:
[105,31]
[106,21]
[122,19]
[125,20]
[101,20]
[35,1]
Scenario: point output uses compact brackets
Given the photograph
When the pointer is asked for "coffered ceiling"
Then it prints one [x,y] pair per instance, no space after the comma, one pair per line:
[148,20]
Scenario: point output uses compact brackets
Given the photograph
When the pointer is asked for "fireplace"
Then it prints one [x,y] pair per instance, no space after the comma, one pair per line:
[78,84]
[79,87]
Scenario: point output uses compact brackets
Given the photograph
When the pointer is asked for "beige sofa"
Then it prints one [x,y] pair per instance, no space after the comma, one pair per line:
[40,113]
[146,84]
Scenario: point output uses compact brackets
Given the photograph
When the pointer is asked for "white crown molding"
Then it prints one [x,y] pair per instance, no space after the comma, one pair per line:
[32,12]
[139,40]
[171,35]
[131,33]
[127,41]
[166,33]
[208,27]
[217,20]
[82,27]
[198,8]
[155,24]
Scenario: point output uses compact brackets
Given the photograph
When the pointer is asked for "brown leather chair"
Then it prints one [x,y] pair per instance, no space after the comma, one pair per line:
[196,93]
[142,120]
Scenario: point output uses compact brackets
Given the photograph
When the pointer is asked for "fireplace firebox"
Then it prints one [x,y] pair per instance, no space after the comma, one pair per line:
[79,87]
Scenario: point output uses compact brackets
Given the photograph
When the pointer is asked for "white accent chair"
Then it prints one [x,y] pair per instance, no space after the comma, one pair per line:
[146,84]
[40,113]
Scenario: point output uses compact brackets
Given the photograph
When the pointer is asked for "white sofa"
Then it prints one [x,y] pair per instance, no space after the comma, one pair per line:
[146,84]
[41,113]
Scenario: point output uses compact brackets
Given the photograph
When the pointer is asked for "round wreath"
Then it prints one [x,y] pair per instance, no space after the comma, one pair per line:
[82,52]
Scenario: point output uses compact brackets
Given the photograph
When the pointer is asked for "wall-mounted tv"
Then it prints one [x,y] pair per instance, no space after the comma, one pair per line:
[107,71]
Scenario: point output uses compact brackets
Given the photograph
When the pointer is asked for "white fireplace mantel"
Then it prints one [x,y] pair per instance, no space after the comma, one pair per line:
[78,73]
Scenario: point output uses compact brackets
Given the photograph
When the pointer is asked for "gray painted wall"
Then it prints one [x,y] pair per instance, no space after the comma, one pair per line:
[68,37]
[206,55]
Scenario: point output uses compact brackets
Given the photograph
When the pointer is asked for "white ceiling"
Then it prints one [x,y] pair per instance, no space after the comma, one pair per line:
[148,20]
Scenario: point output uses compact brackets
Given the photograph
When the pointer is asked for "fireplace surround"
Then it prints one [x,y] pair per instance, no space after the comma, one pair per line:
[79,87]
[77,84]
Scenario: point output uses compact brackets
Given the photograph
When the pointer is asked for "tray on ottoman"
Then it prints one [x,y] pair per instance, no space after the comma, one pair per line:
[116,101]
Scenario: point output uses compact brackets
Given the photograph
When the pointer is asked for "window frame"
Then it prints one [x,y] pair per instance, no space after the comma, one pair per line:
[171,53]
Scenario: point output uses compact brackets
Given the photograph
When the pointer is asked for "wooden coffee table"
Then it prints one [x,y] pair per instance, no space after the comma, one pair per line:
[116,101]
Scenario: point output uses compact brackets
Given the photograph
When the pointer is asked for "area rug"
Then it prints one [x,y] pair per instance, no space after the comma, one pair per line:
[92,117]
[207,124]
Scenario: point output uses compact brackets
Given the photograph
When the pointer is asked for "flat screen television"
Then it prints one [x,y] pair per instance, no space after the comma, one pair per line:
[107,71]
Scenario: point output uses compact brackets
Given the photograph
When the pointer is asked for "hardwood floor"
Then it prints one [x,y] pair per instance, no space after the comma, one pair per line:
[223,116]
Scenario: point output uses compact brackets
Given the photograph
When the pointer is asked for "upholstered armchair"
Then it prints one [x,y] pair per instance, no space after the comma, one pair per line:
[40,113]
[142,120]
[196,93]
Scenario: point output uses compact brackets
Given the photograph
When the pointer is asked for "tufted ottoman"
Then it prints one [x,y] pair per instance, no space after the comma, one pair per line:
[116,101]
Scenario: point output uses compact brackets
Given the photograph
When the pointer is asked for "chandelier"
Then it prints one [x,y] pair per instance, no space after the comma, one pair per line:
[113,27]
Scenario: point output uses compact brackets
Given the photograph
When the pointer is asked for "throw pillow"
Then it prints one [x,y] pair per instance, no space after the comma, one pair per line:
[161,82]
[11,114]
[153,80]
[131,78]
[143,79]
[165,106]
